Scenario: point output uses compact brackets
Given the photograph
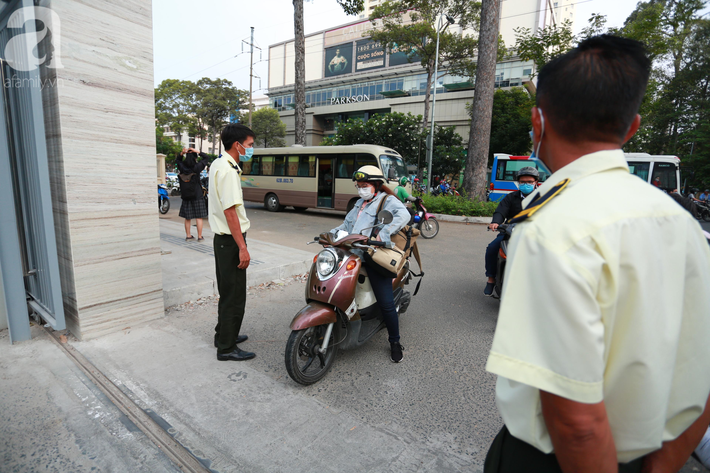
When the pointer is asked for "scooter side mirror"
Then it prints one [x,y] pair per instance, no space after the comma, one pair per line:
[385,217]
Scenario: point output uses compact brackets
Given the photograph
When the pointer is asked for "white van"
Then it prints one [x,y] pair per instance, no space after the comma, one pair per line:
[660,171]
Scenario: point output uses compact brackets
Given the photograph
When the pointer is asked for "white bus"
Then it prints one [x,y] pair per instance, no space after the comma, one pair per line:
[315,176]
[661,171]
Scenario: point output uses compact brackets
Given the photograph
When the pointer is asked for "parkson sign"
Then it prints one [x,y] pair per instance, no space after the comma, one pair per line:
[351,99]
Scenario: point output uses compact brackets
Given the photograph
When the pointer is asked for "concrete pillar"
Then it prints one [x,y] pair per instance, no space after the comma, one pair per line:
[100,129]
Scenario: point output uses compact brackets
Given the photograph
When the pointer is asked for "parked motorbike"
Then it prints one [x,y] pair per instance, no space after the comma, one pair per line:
[507,231]
[163,199]
[341,310]
[425,222]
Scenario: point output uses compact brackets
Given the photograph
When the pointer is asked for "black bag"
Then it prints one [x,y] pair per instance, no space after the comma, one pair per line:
[189,183]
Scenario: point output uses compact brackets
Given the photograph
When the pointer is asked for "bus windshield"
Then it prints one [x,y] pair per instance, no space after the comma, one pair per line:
[388,162]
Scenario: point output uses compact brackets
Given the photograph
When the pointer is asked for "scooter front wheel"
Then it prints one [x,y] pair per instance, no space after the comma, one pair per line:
[304,363]
[429,228]
[164,206]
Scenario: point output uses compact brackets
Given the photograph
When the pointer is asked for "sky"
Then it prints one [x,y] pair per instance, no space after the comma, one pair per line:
[191,42]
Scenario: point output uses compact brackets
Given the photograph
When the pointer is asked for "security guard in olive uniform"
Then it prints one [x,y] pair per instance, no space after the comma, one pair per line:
[601,347]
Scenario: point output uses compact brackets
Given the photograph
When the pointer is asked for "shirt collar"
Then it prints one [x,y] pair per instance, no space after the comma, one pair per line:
[232,162]
[580,168]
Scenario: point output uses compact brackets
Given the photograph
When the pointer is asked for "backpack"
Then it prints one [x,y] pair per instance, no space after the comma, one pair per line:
[188,186]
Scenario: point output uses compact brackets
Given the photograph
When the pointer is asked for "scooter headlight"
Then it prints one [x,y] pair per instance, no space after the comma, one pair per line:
[326,263]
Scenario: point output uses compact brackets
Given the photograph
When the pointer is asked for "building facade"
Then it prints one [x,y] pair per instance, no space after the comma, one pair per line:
[350,76]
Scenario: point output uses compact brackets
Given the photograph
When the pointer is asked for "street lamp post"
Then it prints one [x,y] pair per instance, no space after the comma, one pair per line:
[430,140]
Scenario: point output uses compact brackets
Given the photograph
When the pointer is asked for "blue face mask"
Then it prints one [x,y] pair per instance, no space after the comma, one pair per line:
[245,158]
[526,188]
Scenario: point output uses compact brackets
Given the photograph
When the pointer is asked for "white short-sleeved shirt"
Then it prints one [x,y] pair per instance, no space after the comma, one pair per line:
[226,192]
[606,298]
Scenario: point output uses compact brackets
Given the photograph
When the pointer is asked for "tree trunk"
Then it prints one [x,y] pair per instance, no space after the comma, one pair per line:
[300,86]
[482,109]
[214,137]
[427,97]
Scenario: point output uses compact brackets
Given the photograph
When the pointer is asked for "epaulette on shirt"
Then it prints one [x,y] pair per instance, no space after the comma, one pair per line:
[539,201]
[235,167]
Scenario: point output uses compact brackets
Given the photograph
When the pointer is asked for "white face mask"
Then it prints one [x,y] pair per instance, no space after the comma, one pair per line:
[540,164]
[366,193]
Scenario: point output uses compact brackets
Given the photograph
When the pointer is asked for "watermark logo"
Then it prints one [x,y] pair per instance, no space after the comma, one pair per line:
[20,50]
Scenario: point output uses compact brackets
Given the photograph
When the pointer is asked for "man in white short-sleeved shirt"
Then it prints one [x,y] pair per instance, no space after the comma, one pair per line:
[601,347]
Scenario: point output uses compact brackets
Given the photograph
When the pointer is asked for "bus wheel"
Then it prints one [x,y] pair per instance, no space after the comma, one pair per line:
[271,202]
[351,204]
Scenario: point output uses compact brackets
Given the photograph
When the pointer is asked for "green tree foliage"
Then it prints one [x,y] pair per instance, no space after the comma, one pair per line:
[174,105]
[676,108]
[511,122]
[544,45]
[216,100]
[403,134]
[411,26]
[268,128]
[167,146]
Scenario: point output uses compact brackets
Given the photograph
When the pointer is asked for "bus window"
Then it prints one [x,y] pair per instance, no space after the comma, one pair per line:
[365,160]
[640,169]
[346,166]
[267,165]
[392,162]
[279,165]
[306,166]
[292,166]
[251,167]
[666,173]
[325,181]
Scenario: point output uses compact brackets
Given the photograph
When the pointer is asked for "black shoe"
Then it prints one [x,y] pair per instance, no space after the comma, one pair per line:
[236,355]
[488,291]
[240,339]
[396,350]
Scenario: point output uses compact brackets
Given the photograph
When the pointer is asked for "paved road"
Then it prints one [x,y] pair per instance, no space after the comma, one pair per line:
[441,394]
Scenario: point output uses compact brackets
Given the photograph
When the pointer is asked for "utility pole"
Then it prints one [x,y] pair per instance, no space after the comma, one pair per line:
[251,67]
[251,71]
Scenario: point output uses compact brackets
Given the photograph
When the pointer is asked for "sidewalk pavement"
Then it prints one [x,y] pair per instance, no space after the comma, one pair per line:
[189,271]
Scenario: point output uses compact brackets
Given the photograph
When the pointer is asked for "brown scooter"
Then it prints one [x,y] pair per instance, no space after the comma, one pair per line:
[341,310]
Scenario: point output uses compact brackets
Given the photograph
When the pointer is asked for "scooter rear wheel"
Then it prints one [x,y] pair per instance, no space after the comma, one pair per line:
[304,363]
[164,206]
[429,228]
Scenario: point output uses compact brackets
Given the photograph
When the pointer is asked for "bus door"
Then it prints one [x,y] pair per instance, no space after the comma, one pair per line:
[325,182]
[665,176]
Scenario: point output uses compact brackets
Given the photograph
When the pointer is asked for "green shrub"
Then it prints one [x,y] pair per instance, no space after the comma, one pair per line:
[458,205]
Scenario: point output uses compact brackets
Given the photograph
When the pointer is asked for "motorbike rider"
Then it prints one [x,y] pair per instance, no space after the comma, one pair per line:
[508,208]
[401,192]
[372,188]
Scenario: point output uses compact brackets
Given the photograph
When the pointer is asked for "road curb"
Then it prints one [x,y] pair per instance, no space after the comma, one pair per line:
[462,219]
[198,290]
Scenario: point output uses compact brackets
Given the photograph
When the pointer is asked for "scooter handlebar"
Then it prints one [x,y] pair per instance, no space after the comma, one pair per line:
[376,243]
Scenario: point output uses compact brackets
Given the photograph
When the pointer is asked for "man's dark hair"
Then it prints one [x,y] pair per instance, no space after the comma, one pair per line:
[595,90]
[190,160]
[235,132]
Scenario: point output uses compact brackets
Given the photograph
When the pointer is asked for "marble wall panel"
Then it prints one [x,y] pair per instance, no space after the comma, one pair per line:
[102,142]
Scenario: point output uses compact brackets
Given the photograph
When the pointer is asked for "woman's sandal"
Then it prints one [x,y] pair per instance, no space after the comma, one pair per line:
[189,238]
[201,238]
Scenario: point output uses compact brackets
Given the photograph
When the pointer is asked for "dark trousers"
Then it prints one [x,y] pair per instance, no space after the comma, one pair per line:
[382,287]
[232,286]
[511,455]
[492,256]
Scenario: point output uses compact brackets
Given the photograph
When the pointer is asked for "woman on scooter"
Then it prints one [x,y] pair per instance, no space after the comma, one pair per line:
[371,185]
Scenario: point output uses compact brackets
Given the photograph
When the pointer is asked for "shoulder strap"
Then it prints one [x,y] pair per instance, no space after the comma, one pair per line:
[539,201]
[379,207]
[415,252]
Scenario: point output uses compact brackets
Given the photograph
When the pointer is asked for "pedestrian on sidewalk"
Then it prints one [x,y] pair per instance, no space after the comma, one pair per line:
[193,199]
[229,222]
[601,346]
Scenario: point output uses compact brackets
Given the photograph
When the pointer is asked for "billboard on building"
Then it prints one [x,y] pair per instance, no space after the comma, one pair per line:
[338,60]
[369,55]
[399,56]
